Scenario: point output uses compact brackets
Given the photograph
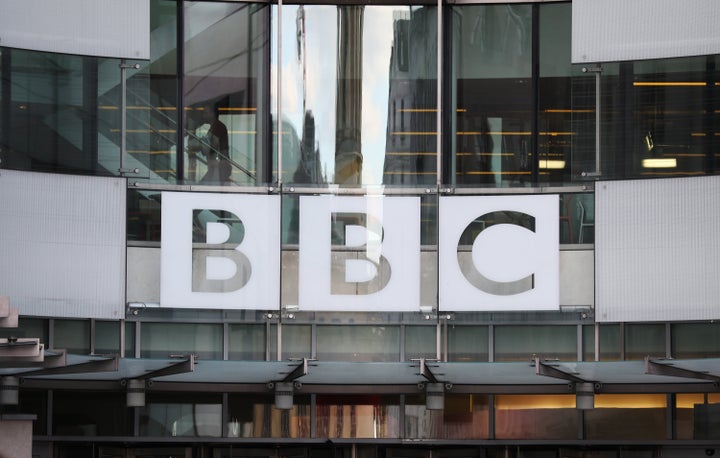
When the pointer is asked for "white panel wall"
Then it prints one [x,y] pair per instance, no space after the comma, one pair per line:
[62,244]
[657,249]
[618,30]
[106,28]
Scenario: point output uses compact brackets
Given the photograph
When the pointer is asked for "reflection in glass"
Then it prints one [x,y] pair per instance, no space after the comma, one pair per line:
[627,416]
[256,416]
[520,343]
[359,94]
[465,416]
[358,343]
[161,340]
[492,94]
[225,88]
[535,417]
[172,415]
[370,416]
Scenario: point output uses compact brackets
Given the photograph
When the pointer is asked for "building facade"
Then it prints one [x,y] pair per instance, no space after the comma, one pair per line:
[360,230]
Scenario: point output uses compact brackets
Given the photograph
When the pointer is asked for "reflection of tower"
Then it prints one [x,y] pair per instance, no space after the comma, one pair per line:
[348,148]
[308,167]
[410,156]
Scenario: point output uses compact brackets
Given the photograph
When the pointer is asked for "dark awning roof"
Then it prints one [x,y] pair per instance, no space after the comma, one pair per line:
[650,375]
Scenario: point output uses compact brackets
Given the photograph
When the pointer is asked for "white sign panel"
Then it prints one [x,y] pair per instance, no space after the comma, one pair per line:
[104,28]
[220,251]
[359,253]
[621,30]
[499,253]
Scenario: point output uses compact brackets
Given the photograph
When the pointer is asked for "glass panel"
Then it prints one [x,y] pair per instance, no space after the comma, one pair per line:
[160,340]
[181,415]
[555,128]
[87,413]
[34,402]
[695,340]
[107,337]
[225,89]
[72,335]
[627,416]
[143,215]
[28,328]
[468,343]
[465,416]
[577,218]
[520,343]
[256,416]
[697,416]
[363,110]
[610,342]
[130,339]
[643,340]
[358,416]
[296,341]
[246,341]
[358,343]
[420,342]
[535,417]
[492,95]
[588,332]
[51,120]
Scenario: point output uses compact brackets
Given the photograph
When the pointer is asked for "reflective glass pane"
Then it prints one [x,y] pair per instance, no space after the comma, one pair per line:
[358,343]
[256,416]
[107,337]
[520,343]
[181,415]
[246,341]
[359,94]
[129,339]
[465,416]
[225,89]
[161,340]
[697,416]
[54,112]
[627,416]
[695,340]
[610,342]
[351,416]
[72,335]
[420,342]
[28,328]
[87,413]
[535,417]
[467,343]
[492,97]
[643,340]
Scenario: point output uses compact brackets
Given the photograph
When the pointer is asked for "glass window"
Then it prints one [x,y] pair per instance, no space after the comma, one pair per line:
[358,343]
[51,112]
[107,337]
[370,416]
[161,340]
[34,402]
[521,343]
[72,335]
[296,341]
[467,343]
[87,413]
[359,94]
[465,416]
[643,340]
[535,417]
[697,416]
[181,415]
[256,416]
[609,337]
[555,111]
[492,95]
[695,340]
[246,341]
[225,88]
[129,339]
[420,342]
[28,328]
[627,416]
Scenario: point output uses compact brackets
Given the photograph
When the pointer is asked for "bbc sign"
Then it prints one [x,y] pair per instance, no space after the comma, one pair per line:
[359,253]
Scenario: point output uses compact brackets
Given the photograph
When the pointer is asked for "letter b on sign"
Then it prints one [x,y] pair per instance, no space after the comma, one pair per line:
[220,251]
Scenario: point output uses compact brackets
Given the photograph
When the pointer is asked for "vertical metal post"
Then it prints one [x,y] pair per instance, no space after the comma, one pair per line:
[438,144]
[278,89]
[123,115]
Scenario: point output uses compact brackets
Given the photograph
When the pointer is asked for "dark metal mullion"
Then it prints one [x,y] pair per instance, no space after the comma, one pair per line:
[180,105]
[534,137]
[6,99]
